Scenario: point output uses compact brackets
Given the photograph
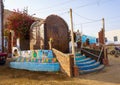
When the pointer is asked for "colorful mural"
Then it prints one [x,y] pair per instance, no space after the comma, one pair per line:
[36,60]
[40,56]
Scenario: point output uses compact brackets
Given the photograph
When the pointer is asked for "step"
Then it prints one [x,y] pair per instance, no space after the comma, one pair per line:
[33,66]
[86,63]
[96,64]
[83,60]
[80,58]
[78,54]
[100,67]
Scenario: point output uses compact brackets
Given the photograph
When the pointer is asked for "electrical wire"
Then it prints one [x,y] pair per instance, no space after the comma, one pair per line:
[56,5]
[62,13]
[80,24]
[83,16]
[51,8]
[85,5]
[92,3]
[92,21]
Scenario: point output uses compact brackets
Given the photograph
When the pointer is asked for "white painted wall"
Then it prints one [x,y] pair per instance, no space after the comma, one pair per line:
[111,34]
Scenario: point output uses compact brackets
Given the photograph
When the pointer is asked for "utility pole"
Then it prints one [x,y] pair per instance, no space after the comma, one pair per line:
[72,36]
[81,36]
[25,10]
[103,23]
[105,54]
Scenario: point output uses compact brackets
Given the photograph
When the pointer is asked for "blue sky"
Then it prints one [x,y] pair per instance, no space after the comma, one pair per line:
[87,14]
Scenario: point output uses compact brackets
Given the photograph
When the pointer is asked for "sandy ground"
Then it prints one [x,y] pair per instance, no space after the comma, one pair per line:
[110,75]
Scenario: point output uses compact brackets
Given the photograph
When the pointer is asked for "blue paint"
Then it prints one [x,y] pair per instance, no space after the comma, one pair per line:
[33,66]
[87,65]
[91,66]
[91,39]
[36,60]
[40,53]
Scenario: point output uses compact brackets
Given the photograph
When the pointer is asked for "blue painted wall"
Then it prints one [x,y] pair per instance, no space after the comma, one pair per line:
[92,39]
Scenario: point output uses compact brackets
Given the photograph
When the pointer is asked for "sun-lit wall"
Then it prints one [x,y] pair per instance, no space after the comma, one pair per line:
[113,36]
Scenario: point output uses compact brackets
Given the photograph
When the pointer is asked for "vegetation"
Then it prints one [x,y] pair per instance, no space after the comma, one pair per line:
[20,23]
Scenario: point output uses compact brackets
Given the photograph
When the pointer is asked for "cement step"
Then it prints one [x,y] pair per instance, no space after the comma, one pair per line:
[78,54]
[83,60]
[86,63]
[80,58]
[100,67]
[91,66]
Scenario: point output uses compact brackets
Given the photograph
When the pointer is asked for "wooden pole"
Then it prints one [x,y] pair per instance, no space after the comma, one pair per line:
[72,36]
[81,36]
[103,23]
[105,54]
[75,68]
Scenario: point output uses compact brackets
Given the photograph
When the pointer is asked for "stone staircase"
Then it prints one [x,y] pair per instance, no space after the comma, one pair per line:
[87,65]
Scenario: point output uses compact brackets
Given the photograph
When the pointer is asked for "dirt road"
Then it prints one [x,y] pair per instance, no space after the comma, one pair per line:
[110,75]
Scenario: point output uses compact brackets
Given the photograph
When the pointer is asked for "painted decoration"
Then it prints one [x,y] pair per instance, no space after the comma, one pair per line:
[39,56]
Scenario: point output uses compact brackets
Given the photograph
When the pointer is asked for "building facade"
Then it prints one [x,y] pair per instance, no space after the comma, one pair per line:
[112,37]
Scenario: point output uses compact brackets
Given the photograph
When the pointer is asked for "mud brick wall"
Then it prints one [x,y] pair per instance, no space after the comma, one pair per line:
[101,37]
[66,62]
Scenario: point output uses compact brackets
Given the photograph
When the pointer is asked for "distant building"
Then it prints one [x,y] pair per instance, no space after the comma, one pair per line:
[92,40]
[112,37]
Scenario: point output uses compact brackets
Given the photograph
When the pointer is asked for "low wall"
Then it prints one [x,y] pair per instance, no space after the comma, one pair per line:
[34,66]
[66,62]
[36,60]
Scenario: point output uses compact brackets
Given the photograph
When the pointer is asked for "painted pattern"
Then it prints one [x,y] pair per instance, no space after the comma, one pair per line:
[36,60]
[40,56]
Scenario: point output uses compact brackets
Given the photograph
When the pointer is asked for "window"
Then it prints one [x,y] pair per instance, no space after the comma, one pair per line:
[105,39]
[97,40]
[115,38]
